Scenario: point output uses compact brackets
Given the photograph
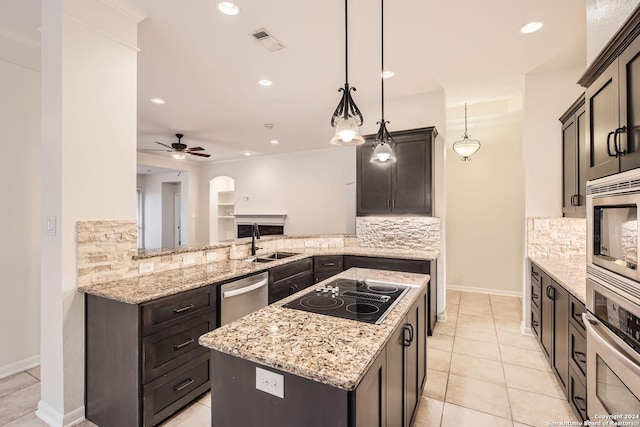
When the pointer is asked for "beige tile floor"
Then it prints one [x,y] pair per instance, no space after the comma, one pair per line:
[482,372]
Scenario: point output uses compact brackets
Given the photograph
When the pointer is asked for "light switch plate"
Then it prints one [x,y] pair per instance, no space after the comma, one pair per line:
[188,260]
[145,267]
[51,226]
[211,256]
[270,382]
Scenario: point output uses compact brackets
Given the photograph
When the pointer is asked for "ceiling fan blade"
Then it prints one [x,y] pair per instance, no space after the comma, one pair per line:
[198,154]
[164,145]
[195,149]
[157,149]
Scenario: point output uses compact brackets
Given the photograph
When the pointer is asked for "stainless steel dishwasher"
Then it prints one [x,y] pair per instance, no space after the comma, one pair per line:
[244,296]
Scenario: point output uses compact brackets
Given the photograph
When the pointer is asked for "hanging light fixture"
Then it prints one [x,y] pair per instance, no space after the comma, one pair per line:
[466,147]
[383,144]
[347,117]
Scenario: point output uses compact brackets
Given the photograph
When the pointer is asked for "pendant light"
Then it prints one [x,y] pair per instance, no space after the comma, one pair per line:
[347,117]
[383,144]
[466,147]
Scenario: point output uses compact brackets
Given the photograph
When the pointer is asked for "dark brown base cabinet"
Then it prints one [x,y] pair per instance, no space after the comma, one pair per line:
[408,266]
[388,394]
[288,279]
[326,266]
[556,321]
[143,362]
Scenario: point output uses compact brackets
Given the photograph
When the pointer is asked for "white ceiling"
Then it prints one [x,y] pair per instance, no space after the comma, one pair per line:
[206,65]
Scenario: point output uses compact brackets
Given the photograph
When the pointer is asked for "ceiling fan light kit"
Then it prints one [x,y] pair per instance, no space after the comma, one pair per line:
[347,117]
[179,150]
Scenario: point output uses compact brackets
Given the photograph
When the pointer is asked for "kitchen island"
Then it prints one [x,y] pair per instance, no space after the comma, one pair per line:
[320,370]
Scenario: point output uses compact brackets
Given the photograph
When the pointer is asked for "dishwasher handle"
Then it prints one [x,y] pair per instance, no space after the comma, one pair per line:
[246,289]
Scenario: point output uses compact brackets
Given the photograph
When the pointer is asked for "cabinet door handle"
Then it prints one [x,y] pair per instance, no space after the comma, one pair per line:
[578,318]
[407,341]
[575,200]
[535,296]
[183,309]
[580,356]
[184,344]
[547,291]
[534,323]
[609,145]
[535,273]
[329,264]
[581,408]
[388,203]
[183,385]
[615,141]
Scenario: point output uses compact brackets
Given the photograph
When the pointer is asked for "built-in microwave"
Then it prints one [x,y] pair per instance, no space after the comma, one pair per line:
[613,233]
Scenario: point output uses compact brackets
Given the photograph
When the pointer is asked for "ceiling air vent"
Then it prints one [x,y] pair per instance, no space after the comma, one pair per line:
[267,40]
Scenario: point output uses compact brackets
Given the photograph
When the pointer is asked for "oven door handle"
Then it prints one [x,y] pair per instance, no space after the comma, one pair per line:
[608,339]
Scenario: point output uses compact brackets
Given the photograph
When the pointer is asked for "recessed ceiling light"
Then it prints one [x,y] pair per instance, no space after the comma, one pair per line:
[246,153]
[228,8]
[265,82]
[531,27]
[158,101]
[386,74]
[274,141]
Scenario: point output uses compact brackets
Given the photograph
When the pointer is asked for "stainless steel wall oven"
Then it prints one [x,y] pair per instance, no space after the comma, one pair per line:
[613,300]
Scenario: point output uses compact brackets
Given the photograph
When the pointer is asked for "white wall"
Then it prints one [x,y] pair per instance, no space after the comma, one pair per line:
[190,171]
[20,213]
[604,17]
[548,94]
[88,100]
[309,186]
[485,200]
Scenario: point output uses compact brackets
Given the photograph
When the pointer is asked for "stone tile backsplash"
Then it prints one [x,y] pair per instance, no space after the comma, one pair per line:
[107,250]
[557,238]
[398,232]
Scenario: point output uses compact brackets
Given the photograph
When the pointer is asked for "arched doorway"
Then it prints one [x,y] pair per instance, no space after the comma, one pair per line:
[221,209]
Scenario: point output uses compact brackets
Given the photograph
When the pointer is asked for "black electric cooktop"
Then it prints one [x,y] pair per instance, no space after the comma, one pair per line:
[362,300]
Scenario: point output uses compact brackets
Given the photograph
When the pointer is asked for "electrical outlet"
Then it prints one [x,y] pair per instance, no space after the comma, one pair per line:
[270,382]
[145,267]
[51,226]
[188,260]
[211,256]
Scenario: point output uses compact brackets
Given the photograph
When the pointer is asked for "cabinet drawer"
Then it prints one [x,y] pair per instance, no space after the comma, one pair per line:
[168,349]
[289,286]
[282,272]
[577,395]
[392,264]
[168,311]
[578,351]
[327,263]
[535,274]
[171,392]
[576,308]
[535,296]
[535,322]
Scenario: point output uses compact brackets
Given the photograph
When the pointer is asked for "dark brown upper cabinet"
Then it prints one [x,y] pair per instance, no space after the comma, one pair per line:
[613,104]
[401,188]
[574,160]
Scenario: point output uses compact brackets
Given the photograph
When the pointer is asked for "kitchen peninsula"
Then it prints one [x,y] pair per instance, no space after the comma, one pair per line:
[319,370]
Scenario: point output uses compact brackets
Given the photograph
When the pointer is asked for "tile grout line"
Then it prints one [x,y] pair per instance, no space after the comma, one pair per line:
[504,374]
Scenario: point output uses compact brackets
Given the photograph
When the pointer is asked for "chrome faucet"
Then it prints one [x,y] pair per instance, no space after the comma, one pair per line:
[255,234]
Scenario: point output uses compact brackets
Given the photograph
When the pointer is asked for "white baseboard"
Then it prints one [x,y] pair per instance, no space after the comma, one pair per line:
[517,294]
[19,366]
[442,317]
[55,419]
[525,329]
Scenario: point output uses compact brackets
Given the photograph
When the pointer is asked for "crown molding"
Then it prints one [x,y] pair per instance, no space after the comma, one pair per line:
[126,10]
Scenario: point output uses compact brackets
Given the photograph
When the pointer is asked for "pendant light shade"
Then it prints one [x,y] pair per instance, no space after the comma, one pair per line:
[466,147]
[347,117]
[383,144]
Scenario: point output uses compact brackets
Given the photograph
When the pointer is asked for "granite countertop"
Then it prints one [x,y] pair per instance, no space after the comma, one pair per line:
[147,287]
[571,274]
[322,348]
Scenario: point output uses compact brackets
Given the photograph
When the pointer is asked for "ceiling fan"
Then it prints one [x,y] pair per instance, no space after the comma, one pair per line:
[179,150]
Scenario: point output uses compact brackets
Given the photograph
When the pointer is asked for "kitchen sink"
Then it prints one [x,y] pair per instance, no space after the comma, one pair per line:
[271,257]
